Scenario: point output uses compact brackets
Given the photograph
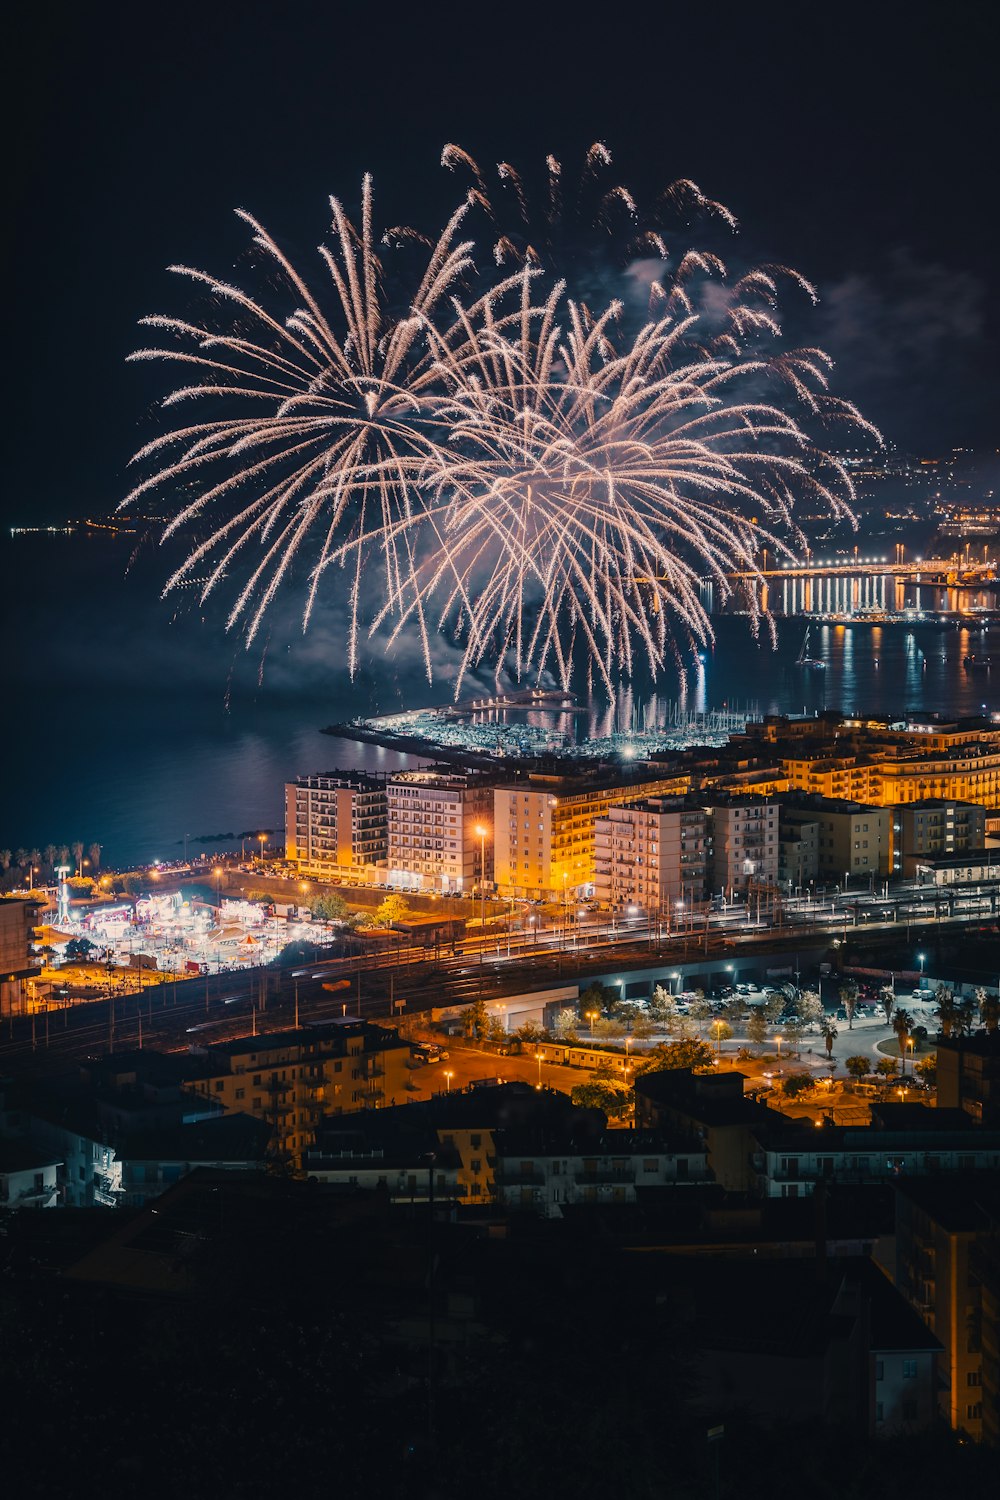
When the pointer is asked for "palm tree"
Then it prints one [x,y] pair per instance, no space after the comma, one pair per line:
[51,853]
[34,863]
[64,854]
[989,1011]
[94,852]
[849,1000]
[829,1034]
[947,1010]
[78,856]
[5,859]
[902,1025]
[887,999]
[20,858]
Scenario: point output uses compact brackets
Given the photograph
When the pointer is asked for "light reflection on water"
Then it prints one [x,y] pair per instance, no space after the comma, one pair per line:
[136,771]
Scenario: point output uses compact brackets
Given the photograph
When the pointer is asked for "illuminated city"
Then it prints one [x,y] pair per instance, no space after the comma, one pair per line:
[500,885]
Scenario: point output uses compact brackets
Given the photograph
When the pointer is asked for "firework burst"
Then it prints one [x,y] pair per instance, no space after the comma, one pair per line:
[598,482]
[536,474]
[326,421]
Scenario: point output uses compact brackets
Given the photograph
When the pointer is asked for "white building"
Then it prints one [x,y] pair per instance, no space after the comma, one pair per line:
[28,1178]
[544,1174]
[651,853]
[440,831]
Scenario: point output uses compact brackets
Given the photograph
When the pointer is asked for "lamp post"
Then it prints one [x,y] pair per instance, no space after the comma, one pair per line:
[262,838]
[910,1046]
[447,1078]
[217,872]
[779,1040]
[539,1056]
[921,960]
[592,1017]
[718,1025]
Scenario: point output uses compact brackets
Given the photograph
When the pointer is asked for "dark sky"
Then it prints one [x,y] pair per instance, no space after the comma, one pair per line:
[858,143]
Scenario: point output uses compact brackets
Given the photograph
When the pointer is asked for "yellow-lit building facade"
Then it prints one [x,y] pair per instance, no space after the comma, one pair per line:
[544,831]
[292,1079]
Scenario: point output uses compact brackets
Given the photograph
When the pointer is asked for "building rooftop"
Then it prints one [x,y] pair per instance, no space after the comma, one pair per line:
[960,1202]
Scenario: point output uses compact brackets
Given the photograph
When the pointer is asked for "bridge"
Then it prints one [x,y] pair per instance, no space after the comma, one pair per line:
[867,588]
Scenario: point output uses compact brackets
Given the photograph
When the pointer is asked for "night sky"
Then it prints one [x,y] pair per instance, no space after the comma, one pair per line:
[857,143]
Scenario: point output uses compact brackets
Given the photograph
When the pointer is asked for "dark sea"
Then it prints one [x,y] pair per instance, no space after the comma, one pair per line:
[150,730]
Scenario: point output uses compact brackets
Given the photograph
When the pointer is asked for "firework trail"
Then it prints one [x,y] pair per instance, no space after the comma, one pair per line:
[539,479]
[327,422]
[593,488]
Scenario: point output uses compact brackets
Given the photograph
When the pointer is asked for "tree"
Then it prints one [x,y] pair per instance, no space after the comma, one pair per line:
[94,855]
[735,1010]
[902,1025]
[887,999]
[965,1017]
[662,1004]
[858,1067]
[496,1031]
[796,1083]
[20,858]
[643,1028]
[5,859]
[616,1103]
[700,1010]
[829,1034]
[608,1028]
[597,996]
[79,949]
[392,909]
[328,907]
[78,856]
[810,1008]
[772,1008]
[926,1069]
[529,1031]
[849,1000]
[757,1027]
[51,854]
[887,1067]
[946,1010]
[690,1053]
[793,1036]
[989,1011]
[475,1020]
[64,854]
[565,1026]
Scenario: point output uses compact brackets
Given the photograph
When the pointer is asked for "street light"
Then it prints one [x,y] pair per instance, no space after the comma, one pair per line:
[448,1076]
[538,1059]
[718,1025]
[592,1017]
[921,960]
[217,872]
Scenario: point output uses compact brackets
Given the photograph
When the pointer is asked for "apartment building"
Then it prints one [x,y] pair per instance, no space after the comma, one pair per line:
[440,831]
[337,823]
[798,851]
[651,853]
[292,1079]
[927,830]
[940,1222]
[545,829]
[744,844]
[853,840]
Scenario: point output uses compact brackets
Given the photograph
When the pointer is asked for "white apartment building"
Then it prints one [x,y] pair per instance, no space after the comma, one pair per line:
[651,854]
[545,830]
[440,831]
[336,822]
[745,848]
